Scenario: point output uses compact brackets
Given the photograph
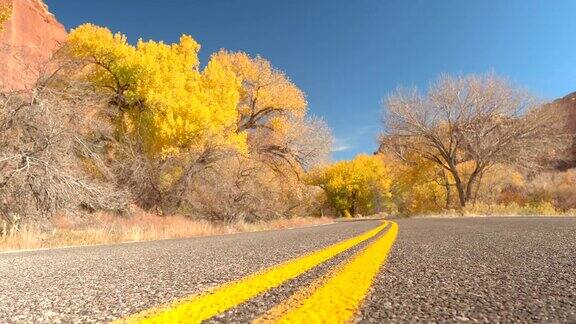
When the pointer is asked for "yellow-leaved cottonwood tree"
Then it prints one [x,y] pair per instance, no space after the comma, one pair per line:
[272,109]
[268,96]
[162,96]
[169,115]
[5,14]
[355,186]
[172,119]
[418,185]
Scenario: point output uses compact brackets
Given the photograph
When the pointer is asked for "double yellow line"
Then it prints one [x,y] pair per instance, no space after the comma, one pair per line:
[333,298]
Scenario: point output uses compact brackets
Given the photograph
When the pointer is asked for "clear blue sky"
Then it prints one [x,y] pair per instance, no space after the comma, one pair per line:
[348,54]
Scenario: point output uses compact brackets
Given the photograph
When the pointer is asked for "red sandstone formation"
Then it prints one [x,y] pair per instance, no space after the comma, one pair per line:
[30,38]
[568,103]
[567,106]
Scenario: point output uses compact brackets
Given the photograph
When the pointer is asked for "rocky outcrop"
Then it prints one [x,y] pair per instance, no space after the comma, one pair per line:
[30,38]
[567,107]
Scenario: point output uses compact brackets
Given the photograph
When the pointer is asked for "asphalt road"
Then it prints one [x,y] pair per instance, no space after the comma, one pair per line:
[480,270]
[484,269]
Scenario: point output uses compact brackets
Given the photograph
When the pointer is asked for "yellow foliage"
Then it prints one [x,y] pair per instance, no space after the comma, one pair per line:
[417,185]
[268,97]
[5,14]
[168,103]
[501,184]
[513,209]
[355,186]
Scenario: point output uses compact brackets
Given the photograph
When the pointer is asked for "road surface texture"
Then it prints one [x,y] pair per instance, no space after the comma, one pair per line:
[480,270]
[469,269]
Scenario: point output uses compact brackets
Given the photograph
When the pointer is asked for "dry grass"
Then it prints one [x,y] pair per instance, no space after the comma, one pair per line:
[107,229]
[505,210]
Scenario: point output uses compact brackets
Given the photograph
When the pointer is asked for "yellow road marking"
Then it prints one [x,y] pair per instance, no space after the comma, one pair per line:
[203,306]
[337,296]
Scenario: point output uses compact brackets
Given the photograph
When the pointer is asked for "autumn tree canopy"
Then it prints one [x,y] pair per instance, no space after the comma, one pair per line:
[184,119]
[418,186]
[272,110]
[268,97]
[162,96]
[5,14]
[354,186]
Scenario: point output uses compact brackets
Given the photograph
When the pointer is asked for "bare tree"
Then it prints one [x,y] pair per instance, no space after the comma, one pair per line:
[307,143]
[481,120]
[241,188]
[226,186]
[49,159]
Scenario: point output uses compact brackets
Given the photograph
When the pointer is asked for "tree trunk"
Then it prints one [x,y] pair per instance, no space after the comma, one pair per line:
[462,198]
[478,184]
[471,182]
[447,188]
[461,192]
[353,204]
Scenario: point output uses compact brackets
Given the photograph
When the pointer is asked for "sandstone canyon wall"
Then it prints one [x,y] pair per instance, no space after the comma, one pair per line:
[567,106]
[30,38]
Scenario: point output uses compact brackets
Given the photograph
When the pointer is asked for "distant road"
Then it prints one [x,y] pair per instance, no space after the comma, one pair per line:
[483,269]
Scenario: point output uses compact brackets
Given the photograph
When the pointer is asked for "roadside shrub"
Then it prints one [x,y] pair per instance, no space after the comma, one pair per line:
[557,188]
[46,143]
[244,189]
[512,209]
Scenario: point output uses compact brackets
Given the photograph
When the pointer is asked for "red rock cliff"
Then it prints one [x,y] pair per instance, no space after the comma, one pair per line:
[567,105]
[30,37]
